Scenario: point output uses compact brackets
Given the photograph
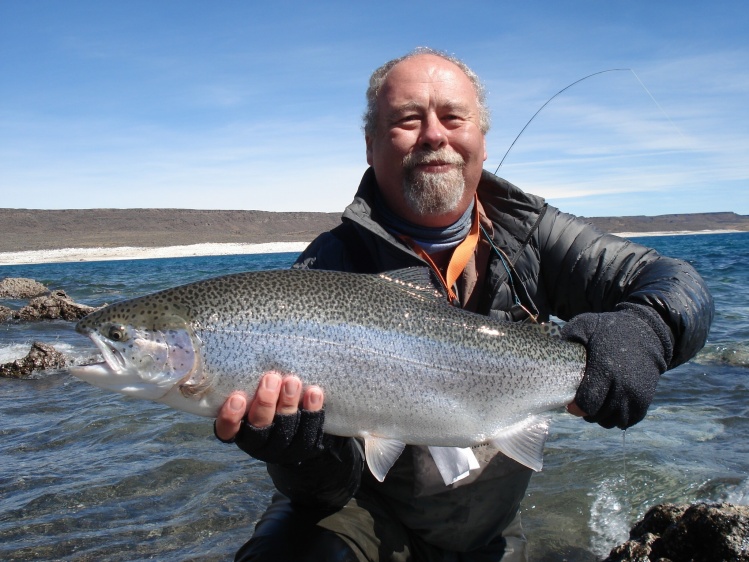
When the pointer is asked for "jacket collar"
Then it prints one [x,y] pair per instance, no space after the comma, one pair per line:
[510,208]
[361,209]
[512,211]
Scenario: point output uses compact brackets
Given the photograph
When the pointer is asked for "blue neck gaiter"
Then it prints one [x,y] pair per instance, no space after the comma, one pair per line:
[431,239]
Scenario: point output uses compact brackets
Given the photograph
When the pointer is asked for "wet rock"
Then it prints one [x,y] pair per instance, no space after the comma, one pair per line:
[21,288]
[56,305]
[5,313]
[688,533]
[41,357]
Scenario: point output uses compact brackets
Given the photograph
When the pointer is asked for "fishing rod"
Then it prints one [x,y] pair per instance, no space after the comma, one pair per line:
[577,82]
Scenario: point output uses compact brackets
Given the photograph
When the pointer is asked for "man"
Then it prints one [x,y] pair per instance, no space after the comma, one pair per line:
[426,200]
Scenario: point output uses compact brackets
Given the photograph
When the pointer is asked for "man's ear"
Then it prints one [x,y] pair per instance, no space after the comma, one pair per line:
[368,141]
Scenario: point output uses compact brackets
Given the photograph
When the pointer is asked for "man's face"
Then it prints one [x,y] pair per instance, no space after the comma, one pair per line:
[428,149]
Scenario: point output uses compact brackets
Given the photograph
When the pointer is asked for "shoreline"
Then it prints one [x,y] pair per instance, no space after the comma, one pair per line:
[67,255]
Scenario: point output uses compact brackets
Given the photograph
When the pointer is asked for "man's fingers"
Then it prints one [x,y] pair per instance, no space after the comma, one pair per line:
[230,415]
[575,410]
[263,405]
[277,394]
[290,397]
[313,399]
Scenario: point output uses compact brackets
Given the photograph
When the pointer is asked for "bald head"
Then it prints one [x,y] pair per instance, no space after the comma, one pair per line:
[378,77]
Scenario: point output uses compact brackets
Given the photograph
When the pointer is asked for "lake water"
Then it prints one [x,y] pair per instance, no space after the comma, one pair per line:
[90,475]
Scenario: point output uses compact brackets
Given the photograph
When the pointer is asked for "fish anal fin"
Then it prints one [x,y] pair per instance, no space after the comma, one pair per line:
[453,463]
[524,441]
[381,454]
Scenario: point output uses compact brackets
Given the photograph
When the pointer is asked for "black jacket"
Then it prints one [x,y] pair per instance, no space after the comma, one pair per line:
[560,265]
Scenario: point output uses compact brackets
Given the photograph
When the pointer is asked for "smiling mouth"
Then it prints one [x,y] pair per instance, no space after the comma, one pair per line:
[434,167]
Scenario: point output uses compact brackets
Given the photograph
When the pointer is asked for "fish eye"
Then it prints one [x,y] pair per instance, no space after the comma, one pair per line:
[117,333]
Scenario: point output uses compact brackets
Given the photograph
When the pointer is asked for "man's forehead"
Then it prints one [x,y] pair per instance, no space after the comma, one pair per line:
[412,81]
[427,69]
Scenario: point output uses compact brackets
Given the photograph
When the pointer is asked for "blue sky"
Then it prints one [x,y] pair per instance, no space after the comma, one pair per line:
[250,105]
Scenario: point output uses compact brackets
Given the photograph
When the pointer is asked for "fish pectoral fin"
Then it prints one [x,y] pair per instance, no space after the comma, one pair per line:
[381,454]
[454,463]
[524,441]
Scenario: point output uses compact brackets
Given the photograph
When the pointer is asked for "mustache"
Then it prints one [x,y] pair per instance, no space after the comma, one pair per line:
[441,156]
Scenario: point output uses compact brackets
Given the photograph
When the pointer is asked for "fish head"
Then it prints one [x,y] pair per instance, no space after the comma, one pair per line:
[148,349]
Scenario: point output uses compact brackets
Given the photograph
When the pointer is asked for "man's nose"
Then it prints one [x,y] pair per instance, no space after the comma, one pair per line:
[432,133]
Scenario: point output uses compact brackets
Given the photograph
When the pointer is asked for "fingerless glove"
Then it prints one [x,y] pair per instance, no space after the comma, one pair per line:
[627,351]
[290,439]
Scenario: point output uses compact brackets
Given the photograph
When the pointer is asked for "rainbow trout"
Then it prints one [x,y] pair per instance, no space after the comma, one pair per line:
[397,363]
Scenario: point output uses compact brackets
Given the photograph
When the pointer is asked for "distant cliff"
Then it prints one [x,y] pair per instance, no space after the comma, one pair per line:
[694,222]
[30,229]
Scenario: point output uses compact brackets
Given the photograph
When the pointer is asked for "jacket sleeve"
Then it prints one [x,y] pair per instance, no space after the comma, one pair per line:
[585,270]
[327,251]
[331,479]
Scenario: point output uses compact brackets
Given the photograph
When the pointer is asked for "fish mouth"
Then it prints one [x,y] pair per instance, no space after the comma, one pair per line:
[112,356]
[113,364]
[115,374]
[92,372]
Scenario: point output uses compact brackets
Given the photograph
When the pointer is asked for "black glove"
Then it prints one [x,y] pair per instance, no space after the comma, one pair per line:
[627,351]
[290,439]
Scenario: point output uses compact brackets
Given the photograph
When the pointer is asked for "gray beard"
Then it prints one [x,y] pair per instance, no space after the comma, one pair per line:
[433,194]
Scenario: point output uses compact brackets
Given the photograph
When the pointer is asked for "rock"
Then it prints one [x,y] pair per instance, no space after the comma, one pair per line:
[688,533]
[658,519]
[5,313]
[41,356]
[21,288]
[56,305]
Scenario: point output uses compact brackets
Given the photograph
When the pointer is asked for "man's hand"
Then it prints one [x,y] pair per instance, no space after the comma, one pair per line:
[627,351]
[575,410]
[272,427]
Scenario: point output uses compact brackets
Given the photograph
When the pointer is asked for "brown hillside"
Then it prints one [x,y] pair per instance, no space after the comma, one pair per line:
[26,229]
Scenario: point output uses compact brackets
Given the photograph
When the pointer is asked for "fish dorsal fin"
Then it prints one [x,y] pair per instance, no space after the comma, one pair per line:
[524,441]
[454,463]
[416,281]
[381,454]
